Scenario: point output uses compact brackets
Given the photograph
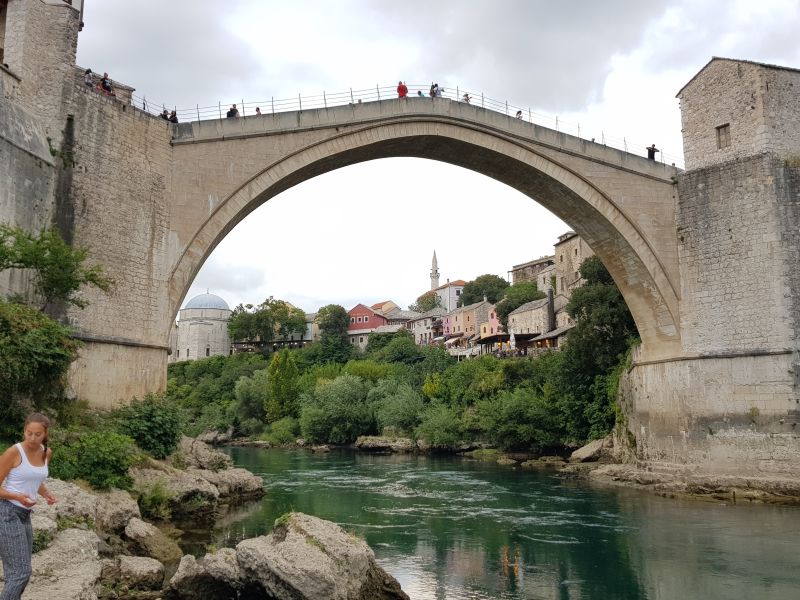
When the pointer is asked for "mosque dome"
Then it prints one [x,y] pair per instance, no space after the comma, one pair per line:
[207,301]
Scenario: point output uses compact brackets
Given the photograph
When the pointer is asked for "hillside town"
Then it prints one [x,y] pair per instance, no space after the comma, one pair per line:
[465,331]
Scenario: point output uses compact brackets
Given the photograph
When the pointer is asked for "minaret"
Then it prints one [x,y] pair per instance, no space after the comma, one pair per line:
[434,272]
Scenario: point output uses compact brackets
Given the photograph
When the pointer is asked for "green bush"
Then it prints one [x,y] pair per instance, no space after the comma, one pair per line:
[153,423]
[282,431]
[520,420]
[441,427]
[337,412]
[101,458]
[398,406]
[154,501]
[251,395]
[35,353]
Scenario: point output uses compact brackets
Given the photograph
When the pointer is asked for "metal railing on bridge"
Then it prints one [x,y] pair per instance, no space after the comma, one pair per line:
[378,93]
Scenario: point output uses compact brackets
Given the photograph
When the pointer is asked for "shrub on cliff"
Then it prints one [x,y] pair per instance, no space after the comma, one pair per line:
[152,423]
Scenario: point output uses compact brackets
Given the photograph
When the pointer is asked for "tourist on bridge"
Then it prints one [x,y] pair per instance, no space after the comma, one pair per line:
[165,115]
[88,79]
[651,152]
[402,90]
[173,117]
[233,112]
[434,89]
[258,111]
[466,98]
[105,85]
[519,114]
[23,470]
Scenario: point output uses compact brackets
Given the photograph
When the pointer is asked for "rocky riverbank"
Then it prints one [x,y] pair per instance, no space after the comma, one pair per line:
[92,545]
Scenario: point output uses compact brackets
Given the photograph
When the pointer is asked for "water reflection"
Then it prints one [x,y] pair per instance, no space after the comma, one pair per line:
[449,528]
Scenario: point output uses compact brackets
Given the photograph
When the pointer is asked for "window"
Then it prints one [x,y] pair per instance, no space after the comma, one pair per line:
[576,252]
[358,319]
[723,136]
[178,355]
[352,319]
[187,353]
[366,318]
[458,292]
[560,258]
[208,351]
[361,339]
[352,340]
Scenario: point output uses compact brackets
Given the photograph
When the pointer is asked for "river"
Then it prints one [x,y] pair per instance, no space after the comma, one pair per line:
[452,528]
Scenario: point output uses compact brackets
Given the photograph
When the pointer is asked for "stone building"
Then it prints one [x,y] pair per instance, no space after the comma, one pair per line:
[530,270]
[570,252]
[737,108]
[201,330]
[427,327]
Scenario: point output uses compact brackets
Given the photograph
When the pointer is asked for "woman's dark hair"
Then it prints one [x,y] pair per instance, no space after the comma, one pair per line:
[44,422]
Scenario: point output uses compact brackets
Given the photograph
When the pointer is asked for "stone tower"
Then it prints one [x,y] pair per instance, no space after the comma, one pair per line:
[434,272]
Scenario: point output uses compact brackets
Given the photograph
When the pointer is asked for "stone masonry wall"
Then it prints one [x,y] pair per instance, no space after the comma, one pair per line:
[41,45]
[118,209]
[759,102]
[735,263]
[28,176]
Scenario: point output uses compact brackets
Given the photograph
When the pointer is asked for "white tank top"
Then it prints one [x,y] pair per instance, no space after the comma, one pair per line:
[25,478]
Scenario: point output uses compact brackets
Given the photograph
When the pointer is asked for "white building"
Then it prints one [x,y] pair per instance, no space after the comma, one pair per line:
[201,329]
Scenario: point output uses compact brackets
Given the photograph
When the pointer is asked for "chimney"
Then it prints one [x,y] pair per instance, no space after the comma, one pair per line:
[551,310]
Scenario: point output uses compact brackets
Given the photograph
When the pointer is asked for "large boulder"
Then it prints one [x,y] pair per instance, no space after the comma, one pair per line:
[383,443]
[214,576]
[199,455]
[150,541]
[114,510]
[133,573]
[233,482]
[75,505]
[593,451]
[216,437]
[68,569]
[189,493]
[306,558]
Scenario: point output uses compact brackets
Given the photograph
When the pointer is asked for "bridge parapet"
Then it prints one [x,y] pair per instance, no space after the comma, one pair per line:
[435,109]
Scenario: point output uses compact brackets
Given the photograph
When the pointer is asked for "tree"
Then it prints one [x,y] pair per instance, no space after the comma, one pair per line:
[269,320]
[282,386]
[58,268]
[427,301]
[490,286]
[515,296]
[604,330]
[334,344]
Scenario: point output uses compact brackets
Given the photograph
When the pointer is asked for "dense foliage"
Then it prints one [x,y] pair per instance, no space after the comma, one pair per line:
[35,350]
[272,319]
[427,301]
[101,458]
[58,269]
[152,423]
[492,287]
[324,394]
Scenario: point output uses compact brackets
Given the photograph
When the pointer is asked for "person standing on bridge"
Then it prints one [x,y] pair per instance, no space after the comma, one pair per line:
[651,152]
[402,89]
[233,112]
[23,471]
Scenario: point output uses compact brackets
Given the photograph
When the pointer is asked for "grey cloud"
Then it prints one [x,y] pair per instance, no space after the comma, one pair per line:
[553,55]
[181,49]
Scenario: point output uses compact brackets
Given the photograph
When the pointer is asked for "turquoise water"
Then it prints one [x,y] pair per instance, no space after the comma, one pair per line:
[452,528]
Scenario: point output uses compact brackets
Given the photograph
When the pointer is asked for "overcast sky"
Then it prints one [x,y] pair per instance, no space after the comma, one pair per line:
[612,67]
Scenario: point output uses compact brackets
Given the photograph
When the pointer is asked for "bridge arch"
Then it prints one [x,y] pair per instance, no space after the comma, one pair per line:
[588,194]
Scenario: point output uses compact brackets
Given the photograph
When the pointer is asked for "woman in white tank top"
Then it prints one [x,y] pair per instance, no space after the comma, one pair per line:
[23,470]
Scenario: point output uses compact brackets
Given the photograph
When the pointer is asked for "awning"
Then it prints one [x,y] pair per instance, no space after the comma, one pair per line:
[451,341]
[438,339]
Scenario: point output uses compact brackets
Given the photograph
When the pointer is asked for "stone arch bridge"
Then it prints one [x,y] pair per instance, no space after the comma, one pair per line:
[152,200]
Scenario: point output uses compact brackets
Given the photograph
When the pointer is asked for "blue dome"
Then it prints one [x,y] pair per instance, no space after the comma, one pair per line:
[207,301]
